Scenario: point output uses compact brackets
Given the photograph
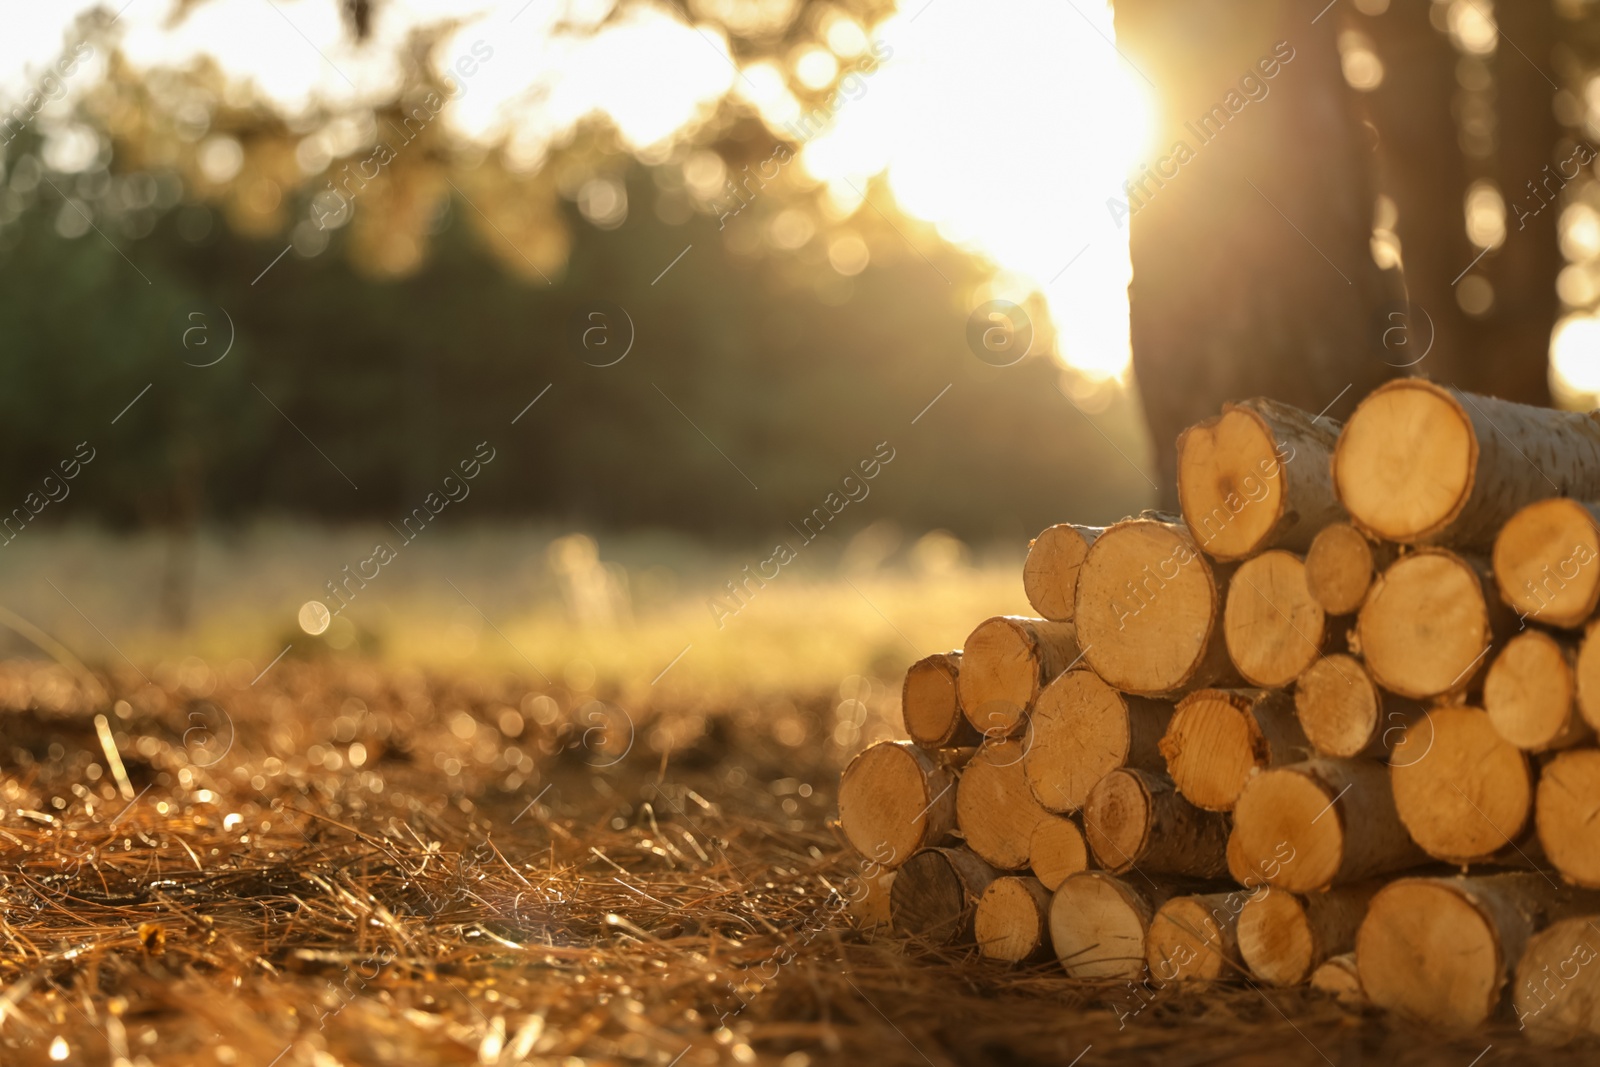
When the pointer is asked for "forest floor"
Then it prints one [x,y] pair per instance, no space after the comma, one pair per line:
[354,863]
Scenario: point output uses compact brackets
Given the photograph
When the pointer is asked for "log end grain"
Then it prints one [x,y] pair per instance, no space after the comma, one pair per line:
[1555,992]
[1587,670]
[1082,729]
[1470,794]
[1010,923]
[930,703]
[1135,820]
[995,809]
[1425,626]
[1003,665]
[1194,938]
[1273,627]
[1544,562]
[1098,925]
[1050,573]
[1117,821]
[1405,462]
[1530,694]
[1427,951]
[1148,610]
[1569,832]
[1057,850]
[1276,938]
[1339,568]
[1287,830]
[1230,483]
[1212,746]
[1338,978]
[1339,707]
[895,798]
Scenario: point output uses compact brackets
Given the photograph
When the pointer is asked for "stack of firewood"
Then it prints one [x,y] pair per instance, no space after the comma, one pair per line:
[1335,724]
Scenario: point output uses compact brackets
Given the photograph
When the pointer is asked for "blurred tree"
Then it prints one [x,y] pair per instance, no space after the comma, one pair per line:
[1467,131]
[795,372]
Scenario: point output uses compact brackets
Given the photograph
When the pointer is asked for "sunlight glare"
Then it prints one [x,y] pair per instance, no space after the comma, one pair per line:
[1013,161]
[1575,355]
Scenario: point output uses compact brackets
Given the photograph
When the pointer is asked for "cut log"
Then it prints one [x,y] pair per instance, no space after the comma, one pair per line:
[1098,924]
[1344,713]
[935,895]
[1195,937]
[1440,949]
[1319,823]
[1568,798]
[1471,795]
[1555,993]
[1056,850]
[1340,566]
[1338,978]
[869,902]
[1544,562]
[1010,924]
[1135,820]
[1050,573]
[995,809]
[1418,463]
[1004,664]
[930,704]
[1082,729]
[1149,610]
[1283,937]
[1273,627]
[1255,477]
[894,798]
[1531,693]
[1427,624]
[1587,669]
[1219,737]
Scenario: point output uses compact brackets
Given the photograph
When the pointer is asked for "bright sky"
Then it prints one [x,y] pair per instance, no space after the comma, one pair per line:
[1005,124]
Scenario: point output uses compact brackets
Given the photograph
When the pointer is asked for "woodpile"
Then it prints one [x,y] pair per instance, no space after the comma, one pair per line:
[1334,726]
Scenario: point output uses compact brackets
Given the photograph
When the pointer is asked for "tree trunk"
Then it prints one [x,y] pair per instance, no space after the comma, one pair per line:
[1502,352]
[1276,206]
[1422,169]
[1510,358]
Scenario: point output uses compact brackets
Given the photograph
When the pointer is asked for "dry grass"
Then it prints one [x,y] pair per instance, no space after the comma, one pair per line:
[351,863]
